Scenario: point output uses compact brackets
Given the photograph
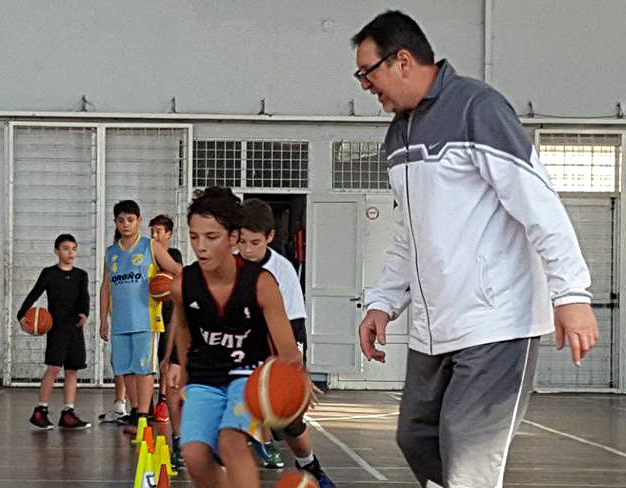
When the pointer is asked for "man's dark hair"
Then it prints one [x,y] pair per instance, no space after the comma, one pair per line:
[126,206]
[257,216]
[392,31]
[64,238]
[164,220]
[220,203]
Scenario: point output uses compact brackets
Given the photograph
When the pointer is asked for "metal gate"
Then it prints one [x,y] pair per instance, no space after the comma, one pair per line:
[585,167]
[595,221]
[65,177]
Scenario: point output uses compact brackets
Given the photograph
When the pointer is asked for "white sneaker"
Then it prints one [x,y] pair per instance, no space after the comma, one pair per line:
[111,416]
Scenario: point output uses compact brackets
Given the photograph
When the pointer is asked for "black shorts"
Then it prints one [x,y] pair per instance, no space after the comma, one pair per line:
[299,332]
[65,347]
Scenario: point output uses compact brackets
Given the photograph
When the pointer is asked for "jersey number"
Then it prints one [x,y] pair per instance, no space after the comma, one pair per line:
[238,356]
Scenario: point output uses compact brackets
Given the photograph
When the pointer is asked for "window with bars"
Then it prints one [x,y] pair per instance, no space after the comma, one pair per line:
[217,163]
[251,164]
[277,164]
[359,165]
[582,162]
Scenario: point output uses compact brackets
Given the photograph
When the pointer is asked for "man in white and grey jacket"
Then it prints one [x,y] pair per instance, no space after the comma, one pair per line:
[483,250]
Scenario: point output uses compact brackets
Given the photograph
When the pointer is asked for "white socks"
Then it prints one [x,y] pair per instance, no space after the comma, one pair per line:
[120,407]
[305,460]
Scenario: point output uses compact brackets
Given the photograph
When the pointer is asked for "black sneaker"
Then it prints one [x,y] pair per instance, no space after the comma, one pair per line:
[176,457]
[40,419]
[316,470]
[129,419]
[70,421]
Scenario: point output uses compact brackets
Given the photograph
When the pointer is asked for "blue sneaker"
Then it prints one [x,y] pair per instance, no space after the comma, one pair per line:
[316,470]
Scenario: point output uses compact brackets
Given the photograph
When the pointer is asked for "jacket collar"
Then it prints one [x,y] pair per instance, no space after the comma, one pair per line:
[446,72]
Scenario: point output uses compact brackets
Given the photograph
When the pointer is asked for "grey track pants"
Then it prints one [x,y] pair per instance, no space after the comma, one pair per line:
[459,411]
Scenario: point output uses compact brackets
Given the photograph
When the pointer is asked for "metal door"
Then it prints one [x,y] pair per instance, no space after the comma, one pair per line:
[334,279]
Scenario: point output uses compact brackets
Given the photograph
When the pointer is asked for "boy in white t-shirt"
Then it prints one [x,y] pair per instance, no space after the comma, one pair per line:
[256,233]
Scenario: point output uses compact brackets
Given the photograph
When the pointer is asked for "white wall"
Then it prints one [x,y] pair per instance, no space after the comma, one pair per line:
[223,57]
[3,225]
[213,56]
[566,56]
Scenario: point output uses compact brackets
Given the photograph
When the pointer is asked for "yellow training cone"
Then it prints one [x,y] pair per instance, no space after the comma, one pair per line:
[141,465]
[160,441]
[141,425]
[165,459]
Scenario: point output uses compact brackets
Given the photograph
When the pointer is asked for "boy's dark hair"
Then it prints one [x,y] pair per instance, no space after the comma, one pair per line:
[257,216]
[394,30]
[126,206]
[64,238]
[164,220]
[220,203]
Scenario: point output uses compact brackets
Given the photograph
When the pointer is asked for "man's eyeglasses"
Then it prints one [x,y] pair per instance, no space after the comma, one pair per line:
[361,76]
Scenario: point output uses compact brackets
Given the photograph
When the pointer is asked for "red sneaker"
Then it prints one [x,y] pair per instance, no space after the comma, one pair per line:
[40,418]
[161,414]
[70,421]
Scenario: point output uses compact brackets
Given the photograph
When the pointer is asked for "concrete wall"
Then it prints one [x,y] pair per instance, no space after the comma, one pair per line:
[563,55]
[3,238]
[223,57]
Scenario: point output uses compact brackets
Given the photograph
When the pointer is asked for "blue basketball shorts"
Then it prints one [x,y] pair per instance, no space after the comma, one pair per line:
[209,409]
[134,353]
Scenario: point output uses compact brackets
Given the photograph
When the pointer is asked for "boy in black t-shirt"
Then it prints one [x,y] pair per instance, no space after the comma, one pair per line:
[161,228]
[68,302]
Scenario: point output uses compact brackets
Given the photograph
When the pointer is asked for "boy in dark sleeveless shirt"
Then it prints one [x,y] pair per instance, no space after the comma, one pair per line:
[228,316]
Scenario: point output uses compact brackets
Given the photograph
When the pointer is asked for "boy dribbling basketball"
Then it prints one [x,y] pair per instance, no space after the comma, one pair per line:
[226,310]
[68,302]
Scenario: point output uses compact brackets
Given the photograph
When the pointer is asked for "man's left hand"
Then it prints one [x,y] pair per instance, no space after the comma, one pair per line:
[577,323]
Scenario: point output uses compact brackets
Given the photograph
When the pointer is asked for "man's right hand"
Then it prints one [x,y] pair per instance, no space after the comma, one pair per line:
[104,330]
[372,330]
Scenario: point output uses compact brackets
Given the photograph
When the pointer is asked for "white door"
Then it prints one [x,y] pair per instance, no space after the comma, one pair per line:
[377,219]
[334,281]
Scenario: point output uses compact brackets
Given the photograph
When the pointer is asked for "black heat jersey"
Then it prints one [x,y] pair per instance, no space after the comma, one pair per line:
[225,344]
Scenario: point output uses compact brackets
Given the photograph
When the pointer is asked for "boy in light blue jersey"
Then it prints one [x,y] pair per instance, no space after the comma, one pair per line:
[135,316]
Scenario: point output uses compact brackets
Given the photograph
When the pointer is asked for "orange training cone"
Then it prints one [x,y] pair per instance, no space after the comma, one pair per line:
[164,479]
[149,438]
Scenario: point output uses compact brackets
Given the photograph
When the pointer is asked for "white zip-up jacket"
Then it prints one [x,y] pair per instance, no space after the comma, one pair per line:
[482,246]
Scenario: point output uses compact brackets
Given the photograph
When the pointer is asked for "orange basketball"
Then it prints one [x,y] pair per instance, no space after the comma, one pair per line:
[38,322]
[297,479]
[277,393]
[160,286]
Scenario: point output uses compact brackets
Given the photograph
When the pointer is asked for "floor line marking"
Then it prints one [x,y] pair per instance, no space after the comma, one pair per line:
[596,400]
[353,455]
[351,417]
[576,438]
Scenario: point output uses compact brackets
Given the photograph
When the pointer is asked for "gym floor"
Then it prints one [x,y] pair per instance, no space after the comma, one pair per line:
[566,440]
